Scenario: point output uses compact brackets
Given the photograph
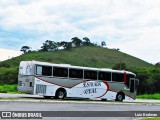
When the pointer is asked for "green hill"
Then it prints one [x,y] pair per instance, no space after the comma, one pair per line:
[90,56]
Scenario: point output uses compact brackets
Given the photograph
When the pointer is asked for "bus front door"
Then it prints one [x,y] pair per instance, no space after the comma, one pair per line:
[133,85]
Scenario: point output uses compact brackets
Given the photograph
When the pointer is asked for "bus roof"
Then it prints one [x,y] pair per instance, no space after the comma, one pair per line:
[76,67]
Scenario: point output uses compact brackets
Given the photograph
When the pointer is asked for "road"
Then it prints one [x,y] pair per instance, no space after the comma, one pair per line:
[36,97]
[36,103]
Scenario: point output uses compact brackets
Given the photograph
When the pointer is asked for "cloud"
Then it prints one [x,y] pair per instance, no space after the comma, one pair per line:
[132,26]
[7,54]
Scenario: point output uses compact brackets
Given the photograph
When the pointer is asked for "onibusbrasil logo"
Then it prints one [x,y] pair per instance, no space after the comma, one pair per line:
[21,115]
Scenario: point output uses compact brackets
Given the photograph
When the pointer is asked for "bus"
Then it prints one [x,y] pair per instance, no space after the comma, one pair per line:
[64,80]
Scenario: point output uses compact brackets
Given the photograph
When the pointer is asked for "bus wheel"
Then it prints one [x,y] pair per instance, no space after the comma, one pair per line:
[120,97]
[61,94]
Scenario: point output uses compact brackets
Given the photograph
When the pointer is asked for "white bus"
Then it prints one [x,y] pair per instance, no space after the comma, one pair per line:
[63,80]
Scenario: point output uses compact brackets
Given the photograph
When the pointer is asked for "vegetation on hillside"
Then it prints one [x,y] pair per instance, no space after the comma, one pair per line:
[49,45]
[90,56]
[85,53]
[8,75]
[149,80]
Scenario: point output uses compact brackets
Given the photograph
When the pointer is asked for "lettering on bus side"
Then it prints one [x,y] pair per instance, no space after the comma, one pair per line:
[89,91]
[91,84]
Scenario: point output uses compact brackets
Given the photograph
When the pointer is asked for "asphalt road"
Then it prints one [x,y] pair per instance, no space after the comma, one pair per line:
[94,109]
[35,106]
[36,97]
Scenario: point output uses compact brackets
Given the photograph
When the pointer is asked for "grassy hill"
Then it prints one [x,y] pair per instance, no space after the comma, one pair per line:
[90,56]
[83,56]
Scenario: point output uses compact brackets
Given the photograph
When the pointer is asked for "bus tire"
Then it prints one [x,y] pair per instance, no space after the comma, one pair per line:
[61,93]
[119,97]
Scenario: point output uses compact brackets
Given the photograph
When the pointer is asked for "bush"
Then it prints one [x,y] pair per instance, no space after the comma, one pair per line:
[8,76]
[8,88]
[4,65]
[149,80]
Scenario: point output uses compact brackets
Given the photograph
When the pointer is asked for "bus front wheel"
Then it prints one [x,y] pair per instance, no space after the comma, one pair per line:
[60,94]
[120,97]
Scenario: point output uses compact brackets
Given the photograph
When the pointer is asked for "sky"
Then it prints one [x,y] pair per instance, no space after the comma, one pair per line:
[133,26]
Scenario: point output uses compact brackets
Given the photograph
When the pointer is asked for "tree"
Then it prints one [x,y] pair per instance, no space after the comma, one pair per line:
[157,65]
[103,43]
[149,80]
[86,41]
[120,66]
[76,41]
[66,45]
[25,49]
[49,46]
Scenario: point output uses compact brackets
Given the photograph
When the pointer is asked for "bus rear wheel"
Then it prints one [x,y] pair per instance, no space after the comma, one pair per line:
[120,97]
[60,94]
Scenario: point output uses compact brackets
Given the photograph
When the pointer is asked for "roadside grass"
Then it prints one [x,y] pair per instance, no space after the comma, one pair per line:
[150,96]
[8,89]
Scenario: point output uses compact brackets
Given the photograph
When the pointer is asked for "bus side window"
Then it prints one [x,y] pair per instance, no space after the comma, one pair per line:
[104,76]
[118,77]
[75,73]
[88,74]
[44,70]
[39,70]
[47,71]
[60,72]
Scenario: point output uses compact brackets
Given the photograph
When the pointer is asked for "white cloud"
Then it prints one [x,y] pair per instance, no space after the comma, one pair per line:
[7,54]
[146,45]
